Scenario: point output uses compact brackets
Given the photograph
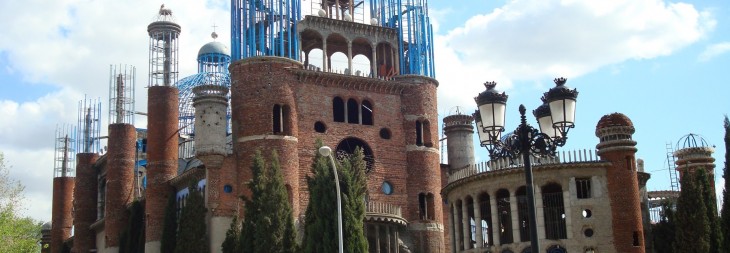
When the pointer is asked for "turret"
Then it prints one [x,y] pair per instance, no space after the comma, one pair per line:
[693,153]
[63,188]
[459,131]
[162,123]
[617,147]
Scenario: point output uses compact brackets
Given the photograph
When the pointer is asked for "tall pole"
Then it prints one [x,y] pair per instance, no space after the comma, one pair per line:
[327,151]
[525,150]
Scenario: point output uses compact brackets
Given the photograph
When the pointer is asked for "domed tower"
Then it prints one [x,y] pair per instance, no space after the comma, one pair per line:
[63,188]
[693,153]
[617,147]
[162,121]
[459,131]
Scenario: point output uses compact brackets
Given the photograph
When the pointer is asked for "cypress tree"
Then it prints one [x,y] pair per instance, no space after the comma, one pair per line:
[129,239]
[663,231]
[230,244]
[708,196]
[725,198]
[169,225]
[192,236]
[268,223]
[692,231]
[354,189]
[320,228]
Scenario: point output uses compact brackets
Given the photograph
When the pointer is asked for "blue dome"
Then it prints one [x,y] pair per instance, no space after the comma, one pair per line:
[214,47]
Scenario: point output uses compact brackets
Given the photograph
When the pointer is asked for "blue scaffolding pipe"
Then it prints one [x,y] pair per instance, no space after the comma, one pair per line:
[265,28]
[415,33]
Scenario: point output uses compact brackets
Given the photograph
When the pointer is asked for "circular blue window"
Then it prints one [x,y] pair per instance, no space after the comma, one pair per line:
[387,188]
[227,189]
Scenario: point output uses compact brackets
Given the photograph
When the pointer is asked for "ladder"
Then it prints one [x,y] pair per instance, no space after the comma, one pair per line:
[672,167]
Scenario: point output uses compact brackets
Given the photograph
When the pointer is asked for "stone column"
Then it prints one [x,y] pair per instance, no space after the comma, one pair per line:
[515,217]
[478,222]
[349,57]
[373,61]
[465,222]
[495,218]
[452,223]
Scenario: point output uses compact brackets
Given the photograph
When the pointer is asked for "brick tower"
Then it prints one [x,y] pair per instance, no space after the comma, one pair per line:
[63,188]
[162,121]
[85,197]
[616,146]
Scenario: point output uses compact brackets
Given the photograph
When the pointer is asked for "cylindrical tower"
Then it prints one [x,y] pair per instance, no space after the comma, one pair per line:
[46,237]
[420,125]
[63,188]
[264,115]
[459,131]
[693,152]
[162,121]
[616,146]
[211,105]
[85,197]
[265,28]
[119,181]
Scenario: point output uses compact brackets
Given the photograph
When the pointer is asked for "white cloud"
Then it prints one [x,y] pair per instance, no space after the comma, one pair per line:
[533,40]
[713,51]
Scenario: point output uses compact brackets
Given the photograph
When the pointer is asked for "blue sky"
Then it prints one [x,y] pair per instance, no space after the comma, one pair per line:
[660,62]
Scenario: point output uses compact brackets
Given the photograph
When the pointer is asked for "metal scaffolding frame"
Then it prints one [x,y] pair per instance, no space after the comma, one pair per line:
[89,126]
[265,28]
[122,82]
[64,162]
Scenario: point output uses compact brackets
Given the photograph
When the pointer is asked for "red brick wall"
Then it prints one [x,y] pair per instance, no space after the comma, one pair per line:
[62,218]
[162,155]
[120,180]
[85,197]
[623,191]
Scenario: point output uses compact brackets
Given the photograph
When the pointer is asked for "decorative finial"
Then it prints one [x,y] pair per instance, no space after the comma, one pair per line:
[164,11]
[490,85]
[214,35]
[560,81]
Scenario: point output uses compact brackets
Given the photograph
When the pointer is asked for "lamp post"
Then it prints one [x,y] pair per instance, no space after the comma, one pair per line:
[327,152]
[555,117]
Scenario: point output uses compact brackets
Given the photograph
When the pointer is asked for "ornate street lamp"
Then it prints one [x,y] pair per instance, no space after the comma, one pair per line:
[556,116]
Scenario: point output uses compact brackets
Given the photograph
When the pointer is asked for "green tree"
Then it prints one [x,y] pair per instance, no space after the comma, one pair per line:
[708,196]
[354,188]
[169,225]
[17,233]
[663,231]
[268,208]
[130,240]
[693,230]
[192,237]
[725,213]
[320,228]
[230,244]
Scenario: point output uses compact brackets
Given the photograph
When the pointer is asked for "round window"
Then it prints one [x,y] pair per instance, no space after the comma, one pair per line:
[227,189]
[387,188]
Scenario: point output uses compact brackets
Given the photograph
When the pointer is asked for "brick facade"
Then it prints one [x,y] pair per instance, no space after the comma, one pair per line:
[62,212]
[120,180]
[85,197]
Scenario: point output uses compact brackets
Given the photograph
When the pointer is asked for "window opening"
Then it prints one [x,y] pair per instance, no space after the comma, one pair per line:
[320,127]
[583,187]
[277,120]
[472,223]
[367,113]
[385,133]
[522,215]
[636,239]
[554,212]
[588,232]
[458,224]
[486,214]
[505,217]
[348,146]
[101,205]
[587,213]
[419,133]
[353,113]
[338,109]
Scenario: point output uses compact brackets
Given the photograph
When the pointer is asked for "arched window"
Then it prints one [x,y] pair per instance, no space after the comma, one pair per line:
[277,120]
[101,200]
[486,214]
[472,222]
[367,113]
[348,147]
[522,216]
[353,112]
[556,249]
[338,109]
[554,211]
[505,217]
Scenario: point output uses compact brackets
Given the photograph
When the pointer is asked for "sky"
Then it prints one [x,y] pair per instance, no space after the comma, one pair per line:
[659,62]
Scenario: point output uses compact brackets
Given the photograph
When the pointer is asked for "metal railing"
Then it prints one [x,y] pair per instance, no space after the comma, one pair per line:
[383,208]
[563,157]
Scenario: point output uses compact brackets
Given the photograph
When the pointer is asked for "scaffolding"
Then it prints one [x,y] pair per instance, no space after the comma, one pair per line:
[89,126]
[163,49]
[348,10]
[265,28]
[672,167]
[121,93]
[415,33]
[64,162]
